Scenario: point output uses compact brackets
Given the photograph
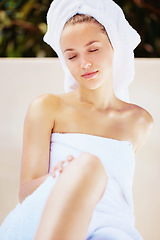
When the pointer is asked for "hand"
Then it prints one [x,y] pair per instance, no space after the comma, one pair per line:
[59,166]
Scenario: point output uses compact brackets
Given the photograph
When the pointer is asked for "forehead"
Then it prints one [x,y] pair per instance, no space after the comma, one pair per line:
[80,33]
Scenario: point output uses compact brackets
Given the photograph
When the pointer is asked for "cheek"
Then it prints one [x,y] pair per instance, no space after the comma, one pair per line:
[106,62]
[108,57]
[104,56]
[72,67]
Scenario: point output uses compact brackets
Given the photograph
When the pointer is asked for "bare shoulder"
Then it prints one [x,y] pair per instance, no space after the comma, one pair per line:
[141,123]
[141,117]
[44,102]
[43,109]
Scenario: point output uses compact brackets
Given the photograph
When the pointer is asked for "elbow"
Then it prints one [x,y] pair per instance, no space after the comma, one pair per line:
[21,195]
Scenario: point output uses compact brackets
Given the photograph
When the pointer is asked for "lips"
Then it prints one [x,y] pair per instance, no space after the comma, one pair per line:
[89,74]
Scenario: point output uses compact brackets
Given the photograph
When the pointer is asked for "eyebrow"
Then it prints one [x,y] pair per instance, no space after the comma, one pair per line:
[88,44]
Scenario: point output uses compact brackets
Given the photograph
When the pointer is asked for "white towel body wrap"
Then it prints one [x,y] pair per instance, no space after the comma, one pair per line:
[113,215]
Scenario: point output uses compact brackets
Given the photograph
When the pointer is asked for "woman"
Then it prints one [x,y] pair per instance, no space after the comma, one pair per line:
[78,152]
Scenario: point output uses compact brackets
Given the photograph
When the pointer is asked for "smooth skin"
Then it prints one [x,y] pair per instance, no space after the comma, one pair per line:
[73,199]
[91,109]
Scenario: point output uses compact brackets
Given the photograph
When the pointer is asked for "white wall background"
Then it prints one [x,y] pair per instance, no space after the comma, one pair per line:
[21,80]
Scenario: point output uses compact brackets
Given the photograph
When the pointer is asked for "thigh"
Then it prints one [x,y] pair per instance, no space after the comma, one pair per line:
[73,200]
[109,233]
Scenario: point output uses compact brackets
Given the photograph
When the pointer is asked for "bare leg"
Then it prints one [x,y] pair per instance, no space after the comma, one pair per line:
[73,199]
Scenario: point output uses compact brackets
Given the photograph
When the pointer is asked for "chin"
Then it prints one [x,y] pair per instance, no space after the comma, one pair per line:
[93,86]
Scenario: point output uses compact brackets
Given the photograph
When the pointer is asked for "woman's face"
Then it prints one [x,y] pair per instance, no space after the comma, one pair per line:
[88,54]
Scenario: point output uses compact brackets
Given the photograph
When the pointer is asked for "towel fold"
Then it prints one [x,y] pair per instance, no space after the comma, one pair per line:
[123,37]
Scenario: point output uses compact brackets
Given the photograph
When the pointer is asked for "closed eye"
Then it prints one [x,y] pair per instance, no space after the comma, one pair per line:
[71,58]
[93,50]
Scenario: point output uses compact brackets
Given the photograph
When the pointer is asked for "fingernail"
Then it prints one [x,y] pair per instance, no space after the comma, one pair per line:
[69,157]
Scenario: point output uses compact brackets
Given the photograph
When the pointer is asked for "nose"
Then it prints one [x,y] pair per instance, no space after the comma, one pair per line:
[85,63]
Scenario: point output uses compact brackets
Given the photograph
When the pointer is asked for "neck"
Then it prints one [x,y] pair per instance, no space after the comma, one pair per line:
[102,98]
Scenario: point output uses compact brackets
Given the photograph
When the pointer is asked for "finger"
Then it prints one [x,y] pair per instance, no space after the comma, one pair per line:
[69,158]
[60,168]
[52,172]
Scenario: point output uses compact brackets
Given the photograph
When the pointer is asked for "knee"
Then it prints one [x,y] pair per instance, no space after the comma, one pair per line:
[91,161]
[92,166]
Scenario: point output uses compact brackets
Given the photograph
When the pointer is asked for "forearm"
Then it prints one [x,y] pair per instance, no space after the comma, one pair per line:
[29,187]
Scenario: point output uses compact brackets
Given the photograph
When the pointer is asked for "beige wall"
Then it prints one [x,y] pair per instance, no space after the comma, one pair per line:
[21,80]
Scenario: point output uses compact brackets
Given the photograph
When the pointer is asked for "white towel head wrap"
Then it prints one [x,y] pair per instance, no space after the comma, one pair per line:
[123,37]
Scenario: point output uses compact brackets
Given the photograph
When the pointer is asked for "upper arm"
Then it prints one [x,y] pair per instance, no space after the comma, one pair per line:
[38,126]
[143,128]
